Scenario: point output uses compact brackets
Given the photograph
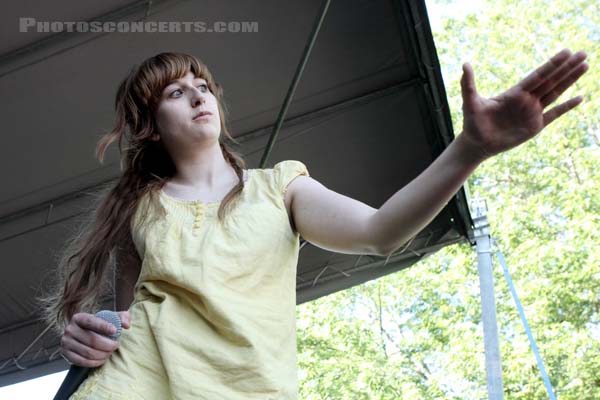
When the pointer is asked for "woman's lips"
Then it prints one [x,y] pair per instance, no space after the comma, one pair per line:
[204,114]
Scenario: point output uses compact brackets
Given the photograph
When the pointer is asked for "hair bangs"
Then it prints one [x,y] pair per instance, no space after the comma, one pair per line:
[157,72]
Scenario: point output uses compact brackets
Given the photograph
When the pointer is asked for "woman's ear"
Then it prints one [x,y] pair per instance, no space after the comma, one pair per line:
[155,137]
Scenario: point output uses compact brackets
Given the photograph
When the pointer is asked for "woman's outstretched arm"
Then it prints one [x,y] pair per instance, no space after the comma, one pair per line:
[490,126]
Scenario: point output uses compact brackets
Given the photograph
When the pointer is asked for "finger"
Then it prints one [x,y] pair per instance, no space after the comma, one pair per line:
[93,323]
[91,338]
[564,84]
[76,359]
[467,83]
[82,350]
[565,70]
[560,109]
[537,77]
[125,319]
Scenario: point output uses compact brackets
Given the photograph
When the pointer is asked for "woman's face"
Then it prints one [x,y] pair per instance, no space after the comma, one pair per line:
[177,114]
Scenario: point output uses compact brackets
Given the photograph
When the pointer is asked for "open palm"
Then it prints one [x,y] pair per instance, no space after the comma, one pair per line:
[502,122]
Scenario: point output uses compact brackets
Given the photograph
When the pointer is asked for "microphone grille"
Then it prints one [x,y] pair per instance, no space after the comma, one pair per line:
[112,318]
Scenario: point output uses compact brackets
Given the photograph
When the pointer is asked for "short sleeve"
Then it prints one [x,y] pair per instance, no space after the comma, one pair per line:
[286,171]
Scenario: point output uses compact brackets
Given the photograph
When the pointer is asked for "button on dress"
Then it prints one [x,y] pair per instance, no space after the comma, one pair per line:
[214,309]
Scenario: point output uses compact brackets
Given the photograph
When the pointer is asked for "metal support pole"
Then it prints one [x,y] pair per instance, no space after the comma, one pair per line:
[481,236]
[297,75]
[534,348]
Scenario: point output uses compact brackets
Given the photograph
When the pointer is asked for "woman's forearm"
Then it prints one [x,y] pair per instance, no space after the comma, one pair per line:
[411,208]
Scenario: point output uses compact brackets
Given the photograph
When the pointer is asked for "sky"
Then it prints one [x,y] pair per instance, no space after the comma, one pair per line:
[44,388]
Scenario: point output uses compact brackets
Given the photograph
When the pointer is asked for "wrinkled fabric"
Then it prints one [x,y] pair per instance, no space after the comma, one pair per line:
[213,315]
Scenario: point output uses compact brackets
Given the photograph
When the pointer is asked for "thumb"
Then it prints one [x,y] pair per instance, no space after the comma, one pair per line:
[467,84]
[125,319]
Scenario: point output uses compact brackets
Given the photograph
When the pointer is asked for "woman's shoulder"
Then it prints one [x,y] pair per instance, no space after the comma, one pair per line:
[148,207]
[290,165]
[283,172]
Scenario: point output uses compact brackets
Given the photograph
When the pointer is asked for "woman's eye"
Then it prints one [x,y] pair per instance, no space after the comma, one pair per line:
[202,85]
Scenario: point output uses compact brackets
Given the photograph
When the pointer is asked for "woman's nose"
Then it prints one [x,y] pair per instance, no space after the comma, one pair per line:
[197,97]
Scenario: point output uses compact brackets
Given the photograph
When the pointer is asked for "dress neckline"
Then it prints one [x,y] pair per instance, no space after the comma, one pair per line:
[206,203]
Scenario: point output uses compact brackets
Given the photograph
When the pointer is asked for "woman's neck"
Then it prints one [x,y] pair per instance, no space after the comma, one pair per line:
[204,170]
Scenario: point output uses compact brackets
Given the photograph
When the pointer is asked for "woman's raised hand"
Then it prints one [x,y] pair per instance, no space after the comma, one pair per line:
[85,342]
[502,122]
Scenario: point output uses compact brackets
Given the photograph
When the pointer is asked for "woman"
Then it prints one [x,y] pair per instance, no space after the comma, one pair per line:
[206,250]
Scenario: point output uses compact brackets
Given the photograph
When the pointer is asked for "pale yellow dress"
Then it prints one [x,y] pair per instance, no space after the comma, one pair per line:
[213,315]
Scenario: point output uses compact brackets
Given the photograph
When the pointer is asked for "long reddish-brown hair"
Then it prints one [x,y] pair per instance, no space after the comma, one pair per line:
[85,262]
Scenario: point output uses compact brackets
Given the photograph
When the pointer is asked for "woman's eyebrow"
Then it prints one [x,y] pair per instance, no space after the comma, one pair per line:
[179,81]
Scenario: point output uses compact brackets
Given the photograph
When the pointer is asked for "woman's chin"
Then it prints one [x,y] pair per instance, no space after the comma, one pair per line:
[205,130]
[207,135]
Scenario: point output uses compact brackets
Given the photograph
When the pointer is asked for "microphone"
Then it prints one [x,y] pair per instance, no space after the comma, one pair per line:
[77,374]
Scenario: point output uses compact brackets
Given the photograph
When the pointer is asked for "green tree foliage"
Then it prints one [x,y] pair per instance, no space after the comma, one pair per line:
[418,333]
